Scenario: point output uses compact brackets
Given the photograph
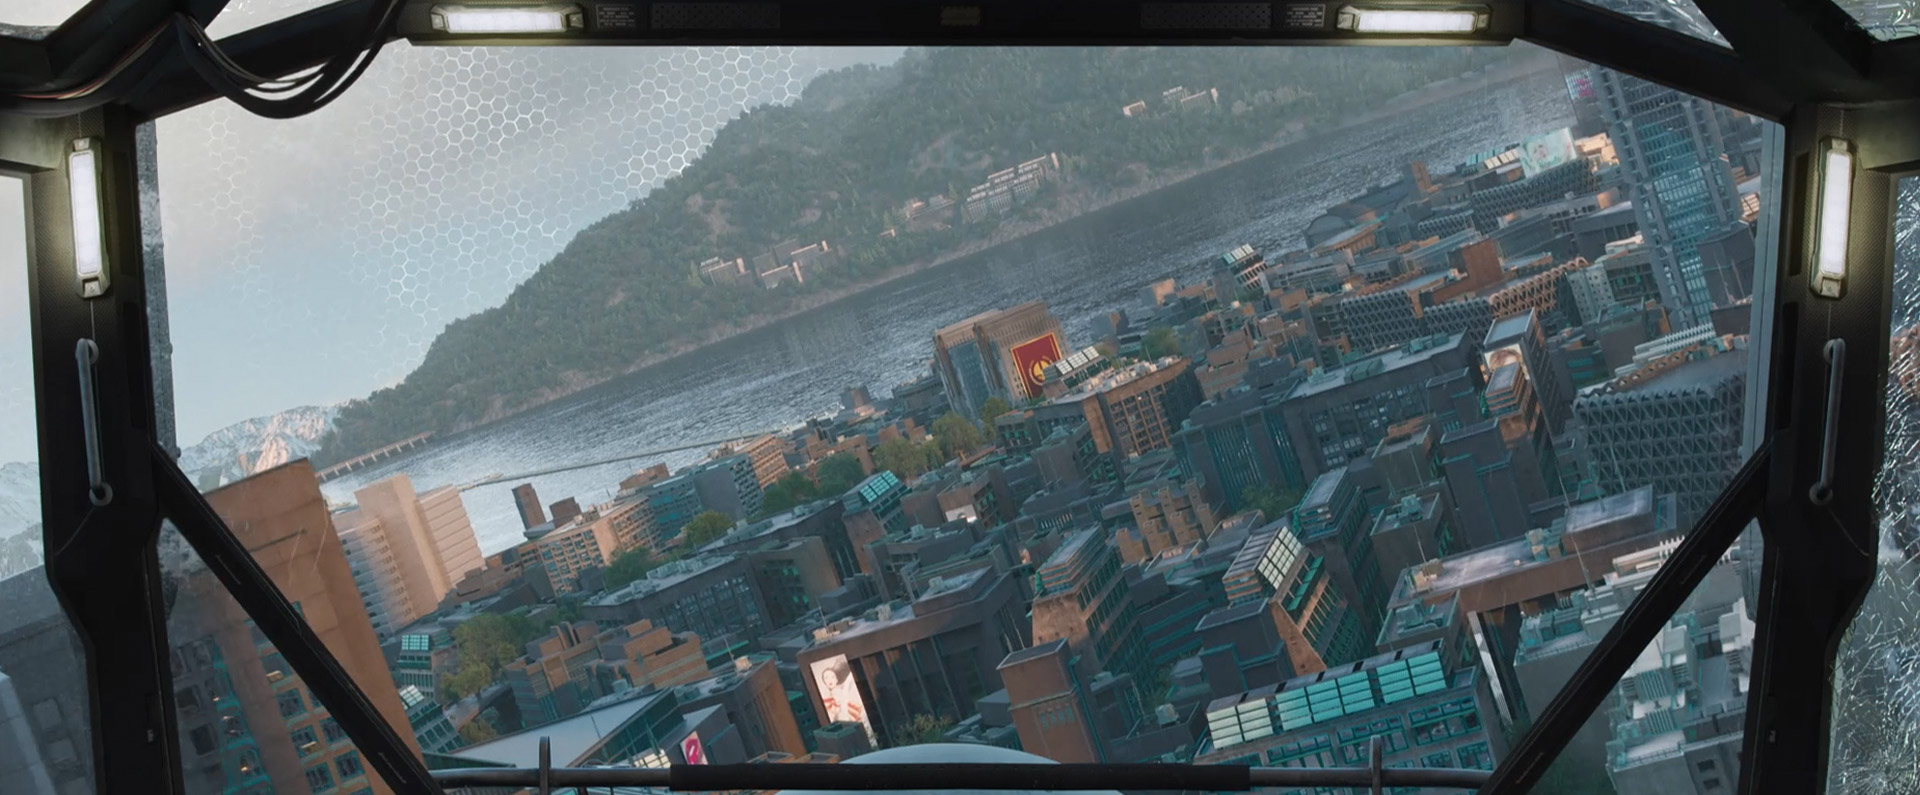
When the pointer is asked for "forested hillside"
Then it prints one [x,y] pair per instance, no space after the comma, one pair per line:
[837,165]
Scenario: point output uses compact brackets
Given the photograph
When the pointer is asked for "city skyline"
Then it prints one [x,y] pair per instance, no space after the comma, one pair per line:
[1429,393]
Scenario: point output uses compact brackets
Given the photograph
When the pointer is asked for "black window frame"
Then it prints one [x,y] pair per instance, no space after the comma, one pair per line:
[1802,63]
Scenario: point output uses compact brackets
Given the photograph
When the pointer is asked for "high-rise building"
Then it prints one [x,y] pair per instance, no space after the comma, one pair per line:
[1333,521]
[1048,705]
[527,501]
[407,550]
[997,354]
[1315,622]
[728,485]
[1673,422]
[246,719]
[1239,442]
[872,512]
[933,656]
[1553,644]
[1674,149]
[1082,598]
[1338,415]
[1518,341]
[1132,410]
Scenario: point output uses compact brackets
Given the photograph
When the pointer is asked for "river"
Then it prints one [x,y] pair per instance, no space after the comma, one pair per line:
[782,374]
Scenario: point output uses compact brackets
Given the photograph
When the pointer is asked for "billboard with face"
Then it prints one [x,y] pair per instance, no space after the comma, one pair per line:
[1546,151]
[1031,358]
[839,694]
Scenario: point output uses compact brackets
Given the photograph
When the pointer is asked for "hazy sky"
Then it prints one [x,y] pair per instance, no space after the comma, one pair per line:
[312,261]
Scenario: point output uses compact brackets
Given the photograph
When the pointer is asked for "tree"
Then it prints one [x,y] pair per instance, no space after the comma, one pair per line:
[1269,501]
[705,528]
[477,731]
[1160,342]
[906,459]
[629,566]
[839,473]
[992,409]
[923,729]
[957,436]
[790,490]
[487,643]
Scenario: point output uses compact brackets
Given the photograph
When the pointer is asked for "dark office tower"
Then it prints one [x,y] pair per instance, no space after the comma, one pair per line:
[1484,478]
[1674,150]
[1674,424]
[1726,257]
[1049,705]
[1338,415]
[1332,521]
[1453,398]
[246,719]
[1238,442]
[997,354]
[1083,600]
[531,514]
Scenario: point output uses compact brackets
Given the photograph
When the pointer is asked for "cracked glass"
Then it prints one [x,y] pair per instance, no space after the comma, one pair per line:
[1885,19]
[1876,710]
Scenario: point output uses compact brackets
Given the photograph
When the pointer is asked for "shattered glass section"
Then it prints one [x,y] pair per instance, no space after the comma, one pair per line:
[1680,16]
[1876,710]
[1885,19]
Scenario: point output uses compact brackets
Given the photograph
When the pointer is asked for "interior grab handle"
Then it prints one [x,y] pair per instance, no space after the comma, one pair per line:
[1836,354]
[85,354]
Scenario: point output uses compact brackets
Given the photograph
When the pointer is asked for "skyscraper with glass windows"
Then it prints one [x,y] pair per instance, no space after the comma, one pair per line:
[1673,147]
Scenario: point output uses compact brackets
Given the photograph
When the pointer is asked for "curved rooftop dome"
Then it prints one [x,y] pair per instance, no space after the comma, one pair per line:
[948,752]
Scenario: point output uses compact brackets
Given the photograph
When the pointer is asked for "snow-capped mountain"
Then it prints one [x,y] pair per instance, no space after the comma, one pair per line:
[261,443]
[226,455]
[19,497]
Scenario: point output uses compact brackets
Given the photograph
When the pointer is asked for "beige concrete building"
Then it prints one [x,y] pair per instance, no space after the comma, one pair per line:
[407,550]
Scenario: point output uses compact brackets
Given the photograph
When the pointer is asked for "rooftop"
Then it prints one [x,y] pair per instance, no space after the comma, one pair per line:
[1697,373]
[1508,329]
[574,739]
[1517,554]
[666,576]
[1406,355]
[1321,491]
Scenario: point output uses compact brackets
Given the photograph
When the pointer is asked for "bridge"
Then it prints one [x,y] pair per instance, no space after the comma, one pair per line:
[369,459]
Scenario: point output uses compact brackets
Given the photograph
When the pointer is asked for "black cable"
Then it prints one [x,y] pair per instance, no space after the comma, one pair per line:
[307,95]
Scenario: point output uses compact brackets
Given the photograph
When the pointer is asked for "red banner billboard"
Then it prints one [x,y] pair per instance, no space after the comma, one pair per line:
[1031,359]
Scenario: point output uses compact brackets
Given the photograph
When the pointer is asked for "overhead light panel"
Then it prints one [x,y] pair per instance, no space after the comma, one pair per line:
[1831,219]
[89,238]
[1404,20]
[475,19]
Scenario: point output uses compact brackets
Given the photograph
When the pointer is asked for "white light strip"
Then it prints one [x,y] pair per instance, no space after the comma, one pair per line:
[1836,210]
[83,195]
[1404,20]
[504,19]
